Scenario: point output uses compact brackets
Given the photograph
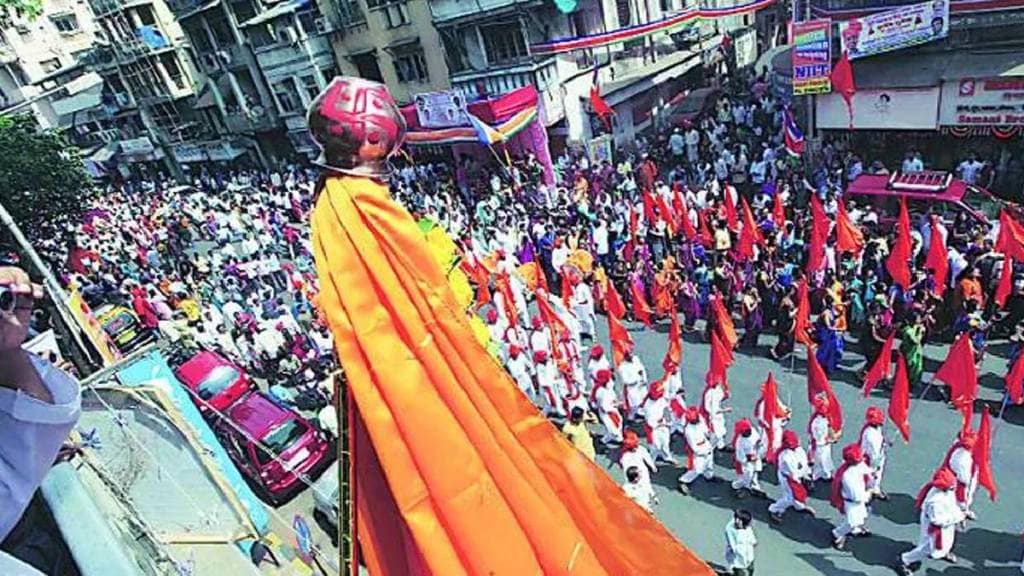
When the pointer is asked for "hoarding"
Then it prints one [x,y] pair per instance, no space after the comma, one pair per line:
[983,102]
[812,57]
[445,109]
[895,29]
[887,109]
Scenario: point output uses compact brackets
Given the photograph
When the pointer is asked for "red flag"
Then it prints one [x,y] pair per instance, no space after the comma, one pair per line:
[1005,285]
[634,221]
[842,82]
[483,290]
[802,324]
[983,454]
[505,289]
[566,289]
[730,208]
[688,230]
[649,215]
[1015,381]
[778,211]
[938,259]
[960,373]
[723,323]
[817,383]
[601,108]
[899,401]
[898,262]
[620,340]
[770,401]
[706,237]
[750,234]
[641,310]
[721,359]
[1011,236]
[881,368]
[675,341]
[666,215]
[550,318]
[849,238]
[613,302]
[819,233]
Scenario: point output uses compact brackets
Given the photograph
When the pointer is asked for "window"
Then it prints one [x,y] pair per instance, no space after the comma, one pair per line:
[394,14]
[350,13]
[411,64]
[329,73]
[307,19]
[503,43]
[243,10]
[310,85]
[170,62]
[65,23]
[622,7]
[51,65]
[367,67]
[454,51]
[287,96]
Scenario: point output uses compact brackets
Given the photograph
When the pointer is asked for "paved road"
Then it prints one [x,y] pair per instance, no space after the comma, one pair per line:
[802,545]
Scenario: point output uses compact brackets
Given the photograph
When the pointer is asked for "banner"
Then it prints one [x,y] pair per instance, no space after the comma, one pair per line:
[888,109]
[80,310]
[983,102]
[445,109]
[895,29]
[812,57]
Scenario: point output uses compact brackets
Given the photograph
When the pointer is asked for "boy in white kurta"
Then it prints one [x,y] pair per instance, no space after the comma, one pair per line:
[634,381]
[960,459]
[851,493]
[940,514]
[597,362]
[874,445]
[713,409]
[583,306]
[746,457]
[657,424]
[793,471]
[606,403]
[550,384]
[821,441]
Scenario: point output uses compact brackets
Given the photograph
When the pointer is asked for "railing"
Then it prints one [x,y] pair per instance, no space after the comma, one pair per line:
[241,123]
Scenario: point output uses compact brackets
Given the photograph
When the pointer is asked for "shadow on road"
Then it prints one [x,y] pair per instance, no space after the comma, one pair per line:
[899,509]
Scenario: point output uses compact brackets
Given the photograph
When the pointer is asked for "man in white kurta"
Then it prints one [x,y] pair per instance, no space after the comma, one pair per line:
[522,371]
[597,362]
[550,384]
[851,493]
[700,450]
[960,459]
[793,471]
[540,337]
[821,441]
[874,446]
[583,306]
[746,457]
[940,514]
[634,381]
[657,424]
[769,443]
[635,454]
[606,403]
[713,408]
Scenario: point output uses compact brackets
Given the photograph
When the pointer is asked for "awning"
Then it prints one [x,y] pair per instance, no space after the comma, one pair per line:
[275,12]
[984,64]
[103,154]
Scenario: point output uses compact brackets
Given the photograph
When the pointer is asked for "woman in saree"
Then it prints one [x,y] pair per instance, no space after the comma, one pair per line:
[662,290]
[912,347]
[753,319]
[784,325]
[829,336]
[689,297]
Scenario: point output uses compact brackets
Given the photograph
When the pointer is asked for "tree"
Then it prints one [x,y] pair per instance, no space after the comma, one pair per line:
[11,9]
[42,179]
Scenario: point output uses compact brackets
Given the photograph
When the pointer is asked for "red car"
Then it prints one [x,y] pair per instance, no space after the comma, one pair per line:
[274,447]
[214,379]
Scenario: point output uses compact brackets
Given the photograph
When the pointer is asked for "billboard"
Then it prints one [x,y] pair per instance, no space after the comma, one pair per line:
[812,57]
[983,102]
[895,29]
[445,109]
[885,109]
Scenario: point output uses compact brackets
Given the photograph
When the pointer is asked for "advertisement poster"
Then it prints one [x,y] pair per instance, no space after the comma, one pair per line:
[812,57]
[895,29]
[983,102]
[441,109]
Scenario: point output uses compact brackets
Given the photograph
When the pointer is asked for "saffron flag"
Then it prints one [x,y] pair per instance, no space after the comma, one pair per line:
[938,259]
[641,309]
[721,359]
[819,233]
[771,411]
[600,107]
[898,262]
[960,374]
[899,401]
[842,82]
[1015,381]
[483,290]
[802,323]
[613,302]
[881,368]
[1011,236]
[551,318]
[649,214]
[504,285]
[674,354]
[723,323]
[793,136]
[620,339]
[1005,285]
[849,238]
[706,239]
[778,211]
[484,133]
[750,235]
[983,454]
[817,384]
[426,395]
[666,215]
[566,288]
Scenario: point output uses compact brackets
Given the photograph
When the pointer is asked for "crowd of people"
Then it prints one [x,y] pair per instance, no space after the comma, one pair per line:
[712,221]
[719,221]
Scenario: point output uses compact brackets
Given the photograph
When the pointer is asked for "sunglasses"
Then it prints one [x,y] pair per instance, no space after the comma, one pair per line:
[8,300]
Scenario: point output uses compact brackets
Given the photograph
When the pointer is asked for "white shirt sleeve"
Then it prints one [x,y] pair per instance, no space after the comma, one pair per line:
[33,431]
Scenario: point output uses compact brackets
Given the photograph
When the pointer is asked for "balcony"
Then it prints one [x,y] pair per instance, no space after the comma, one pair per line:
[259,119]
[450,11]
[104,7]
[495,82]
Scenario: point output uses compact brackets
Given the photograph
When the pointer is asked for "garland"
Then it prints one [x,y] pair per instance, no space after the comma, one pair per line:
[569,44]
[1000,132]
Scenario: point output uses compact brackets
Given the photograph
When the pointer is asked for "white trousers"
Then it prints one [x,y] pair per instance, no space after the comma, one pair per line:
[585,315]
[855,516]
[660,439]
[703,465]
[926,547]
[823,465]
[718,430]
[612,423]
[748,478]
[786,502]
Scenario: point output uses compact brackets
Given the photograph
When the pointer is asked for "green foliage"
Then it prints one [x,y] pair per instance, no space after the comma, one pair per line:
[26,8]
[42,179]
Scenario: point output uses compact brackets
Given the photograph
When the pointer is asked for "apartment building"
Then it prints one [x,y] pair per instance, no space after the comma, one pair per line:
[41,71]
[150,82]
[391,41]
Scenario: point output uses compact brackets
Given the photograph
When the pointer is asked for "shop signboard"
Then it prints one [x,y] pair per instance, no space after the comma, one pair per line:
[600,149]
[812,57]
[895,29]
[444,109]
[137,146]
[983,102]
[887,109]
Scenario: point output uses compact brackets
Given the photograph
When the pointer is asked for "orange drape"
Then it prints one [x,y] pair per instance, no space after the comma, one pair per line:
[482,482]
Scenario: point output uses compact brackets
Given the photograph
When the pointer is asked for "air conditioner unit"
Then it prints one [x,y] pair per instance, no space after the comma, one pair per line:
[323,25]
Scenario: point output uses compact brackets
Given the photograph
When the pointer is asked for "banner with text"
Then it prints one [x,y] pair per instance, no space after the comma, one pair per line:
[812,57]
[445,109]
[895,29]
[983,102]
